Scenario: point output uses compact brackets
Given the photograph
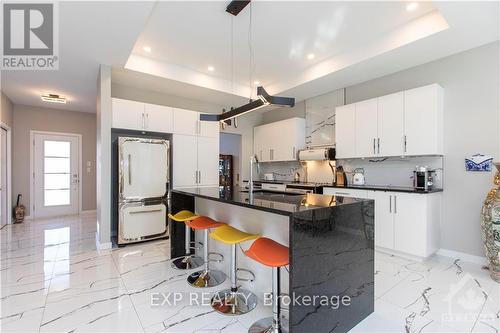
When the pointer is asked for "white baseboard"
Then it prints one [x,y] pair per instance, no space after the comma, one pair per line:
[102,246]
[88,212]
[463,256]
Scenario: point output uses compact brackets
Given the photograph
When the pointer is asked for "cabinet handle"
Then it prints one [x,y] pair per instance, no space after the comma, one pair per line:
[405,142]
[261,155]
[395,204]
[390,204]
[199,179]
[143,122]
[199,127]
[341,193]
[147,121]
[374,151]
[378,145]
[196,177]
[293,153]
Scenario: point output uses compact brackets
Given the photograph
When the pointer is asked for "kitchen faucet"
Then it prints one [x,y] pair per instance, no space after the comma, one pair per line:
[253,160]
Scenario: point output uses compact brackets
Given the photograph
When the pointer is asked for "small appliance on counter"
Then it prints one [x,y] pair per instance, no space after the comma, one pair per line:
[317,154]
[422,178]
[358,177]
[269,176]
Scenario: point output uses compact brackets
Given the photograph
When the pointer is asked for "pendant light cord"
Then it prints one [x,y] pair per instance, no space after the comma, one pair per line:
[250,47]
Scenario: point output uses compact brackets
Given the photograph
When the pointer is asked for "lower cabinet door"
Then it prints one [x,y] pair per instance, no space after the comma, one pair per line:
[384,219]
[410,223]
[137,221]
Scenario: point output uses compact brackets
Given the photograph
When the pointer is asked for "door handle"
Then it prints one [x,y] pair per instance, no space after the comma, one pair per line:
[390,204]
[129,170]
[144,211]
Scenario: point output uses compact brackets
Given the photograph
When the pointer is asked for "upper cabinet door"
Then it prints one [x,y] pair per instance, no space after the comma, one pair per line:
[159,118]
[209,129]
[127,114]
[208,161]
[423,120]
[366,128]
[258,143]
[345,131]
[186,122]
[390,141]
[184,160]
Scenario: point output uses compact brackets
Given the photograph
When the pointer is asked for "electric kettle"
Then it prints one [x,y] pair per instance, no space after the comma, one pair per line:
[358,177]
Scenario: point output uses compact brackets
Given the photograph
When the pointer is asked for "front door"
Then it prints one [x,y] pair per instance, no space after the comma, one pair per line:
[3,178]
[56,178]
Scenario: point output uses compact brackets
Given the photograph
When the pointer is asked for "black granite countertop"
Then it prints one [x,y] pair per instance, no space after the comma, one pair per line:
[278,203]
[388,188]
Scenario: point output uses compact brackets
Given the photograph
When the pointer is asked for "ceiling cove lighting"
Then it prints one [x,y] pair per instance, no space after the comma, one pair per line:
[53,98]
[263,99]
[411,6]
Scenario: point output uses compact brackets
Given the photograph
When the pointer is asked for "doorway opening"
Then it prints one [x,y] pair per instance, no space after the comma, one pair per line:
[56,169]
[5,176]
[230,160]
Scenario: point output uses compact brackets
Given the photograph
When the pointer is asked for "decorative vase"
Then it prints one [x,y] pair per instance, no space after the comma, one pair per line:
[490,224]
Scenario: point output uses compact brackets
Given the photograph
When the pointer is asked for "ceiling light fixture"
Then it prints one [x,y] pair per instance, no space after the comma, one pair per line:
[147,49]
[263,99]
[53,98]
[256,83]
[310,56]
[211,68]
[411,6]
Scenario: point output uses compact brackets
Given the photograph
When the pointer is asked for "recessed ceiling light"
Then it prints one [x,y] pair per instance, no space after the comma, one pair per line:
[411,6]
[310,56]
[211,68]
[147,49]
[53,98]
[256,83]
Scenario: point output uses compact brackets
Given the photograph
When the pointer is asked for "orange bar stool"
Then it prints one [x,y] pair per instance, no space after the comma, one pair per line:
[187,261]
[234,301]
[272,254]
[206,278]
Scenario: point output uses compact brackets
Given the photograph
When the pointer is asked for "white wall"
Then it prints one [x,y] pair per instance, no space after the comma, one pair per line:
[103,160]
[471,124]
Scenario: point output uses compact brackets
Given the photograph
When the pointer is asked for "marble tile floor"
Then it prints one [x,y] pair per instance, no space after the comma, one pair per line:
[54,280]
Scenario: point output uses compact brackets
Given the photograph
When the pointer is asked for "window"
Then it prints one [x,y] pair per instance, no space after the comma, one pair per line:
[57,172]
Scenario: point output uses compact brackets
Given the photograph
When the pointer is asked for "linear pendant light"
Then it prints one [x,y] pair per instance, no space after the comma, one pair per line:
[264,99]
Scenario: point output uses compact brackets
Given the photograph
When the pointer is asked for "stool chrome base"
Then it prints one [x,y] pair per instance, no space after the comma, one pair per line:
[232,303]
[187,262]
[206,279]
[266,326]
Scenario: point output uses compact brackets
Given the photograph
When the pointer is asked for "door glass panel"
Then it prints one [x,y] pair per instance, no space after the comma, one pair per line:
[57,148]
[56,197]
[57,173]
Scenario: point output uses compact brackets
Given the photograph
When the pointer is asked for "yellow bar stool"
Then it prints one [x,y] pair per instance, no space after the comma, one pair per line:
[187,261]
[234,301]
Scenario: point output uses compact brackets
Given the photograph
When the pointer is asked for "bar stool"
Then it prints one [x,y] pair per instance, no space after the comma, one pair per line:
[188,261]
[206,278]
[234,301]
[272,254]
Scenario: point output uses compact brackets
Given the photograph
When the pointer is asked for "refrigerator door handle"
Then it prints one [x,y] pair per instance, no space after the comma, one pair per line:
[145,211]
[129,170]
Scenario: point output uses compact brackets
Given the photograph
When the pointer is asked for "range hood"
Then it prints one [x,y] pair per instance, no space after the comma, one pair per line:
[317,154]
[264,99]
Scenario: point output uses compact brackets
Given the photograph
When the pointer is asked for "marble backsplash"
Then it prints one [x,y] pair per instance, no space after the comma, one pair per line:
[391,171]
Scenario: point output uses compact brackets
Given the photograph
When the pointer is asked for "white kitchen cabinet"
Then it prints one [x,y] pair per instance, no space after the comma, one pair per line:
[384,220]
[279,141]
[186,122]
[423,120]
[208,161]
[209,129]
[407,123]
[184,160]
[366,128]
[405,223]
[159,118]
[127,114]
[390,120]
[345,131]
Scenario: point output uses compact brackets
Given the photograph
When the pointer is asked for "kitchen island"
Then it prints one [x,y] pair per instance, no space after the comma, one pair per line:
[331,239]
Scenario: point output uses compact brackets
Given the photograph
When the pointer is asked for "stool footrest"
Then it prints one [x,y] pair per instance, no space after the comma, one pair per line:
[252,275]
[218,260]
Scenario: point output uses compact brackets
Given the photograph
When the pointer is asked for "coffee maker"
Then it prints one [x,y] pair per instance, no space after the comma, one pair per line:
[422,178]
